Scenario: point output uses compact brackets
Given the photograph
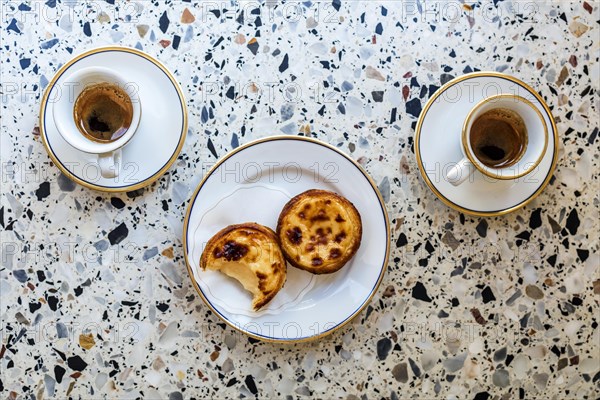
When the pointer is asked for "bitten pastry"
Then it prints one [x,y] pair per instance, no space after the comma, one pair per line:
[249,253]
[319,231]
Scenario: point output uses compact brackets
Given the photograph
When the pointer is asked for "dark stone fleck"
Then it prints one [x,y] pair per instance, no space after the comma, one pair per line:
[574,360]
[87,30]
[65,184]
[482,228]
[135,193]
[76,363]
[593,136]
[488,295]
[43,191]
[175,396]
[164,22]
[59,372]
[253,46]
[535,220]
[176,41]
[414,367]
[231,382]
[117,235]
[402,240]
[250,384]
[500,355]
[34,306]
[13,26]
[379,29]
[162,307]
[573,222]
[420,292]
[413,107]
[383,348]
[284,64]
[53,302]
[377,96]
[482,396]
[117,202]
[583,254]
[211,148]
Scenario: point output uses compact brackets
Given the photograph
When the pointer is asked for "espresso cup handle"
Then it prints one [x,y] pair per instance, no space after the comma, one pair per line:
[460,172]
[110,163]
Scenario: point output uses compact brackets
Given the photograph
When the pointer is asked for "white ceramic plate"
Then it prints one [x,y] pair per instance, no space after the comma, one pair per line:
[438,146]
[252,184]
[161,133]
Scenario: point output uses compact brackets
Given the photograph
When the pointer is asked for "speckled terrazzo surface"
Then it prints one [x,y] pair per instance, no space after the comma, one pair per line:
[95,299]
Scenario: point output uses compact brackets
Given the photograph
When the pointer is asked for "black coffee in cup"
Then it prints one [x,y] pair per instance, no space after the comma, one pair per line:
[498,137]
[103,112]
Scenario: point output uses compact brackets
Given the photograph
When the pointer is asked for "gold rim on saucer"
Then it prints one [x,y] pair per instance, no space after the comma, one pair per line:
[440,196]
[89,185]
[347,319]
[476,163]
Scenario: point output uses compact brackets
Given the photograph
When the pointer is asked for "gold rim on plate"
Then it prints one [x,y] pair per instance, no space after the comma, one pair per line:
[381,273]
[80,181]
[440,196]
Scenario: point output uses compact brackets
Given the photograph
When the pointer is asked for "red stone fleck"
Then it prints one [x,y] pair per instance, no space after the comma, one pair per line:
[405,92]
[573,60]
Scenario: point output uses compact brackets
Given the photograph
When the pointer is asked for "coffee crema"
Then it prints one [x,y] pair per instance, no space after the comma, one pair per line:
[103,112]
[498,137]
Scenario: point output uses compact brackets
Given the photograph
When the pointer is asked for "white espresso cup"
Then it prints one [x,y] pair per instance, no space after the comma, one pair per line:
[109,153]
[535,145]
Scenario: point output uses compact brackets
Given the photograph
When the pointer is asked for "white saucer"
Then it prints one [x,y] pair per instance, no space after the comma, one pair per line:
[438,146]
[161,133]
[252,184]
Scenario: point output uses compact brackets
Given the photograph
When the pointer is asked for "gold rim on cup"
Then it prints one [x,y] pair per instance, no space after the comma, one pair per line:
[477,163]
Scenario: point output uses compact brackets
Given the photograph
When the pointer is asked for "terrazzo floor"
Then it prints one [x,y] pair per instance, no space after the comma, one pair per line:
[95,298]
